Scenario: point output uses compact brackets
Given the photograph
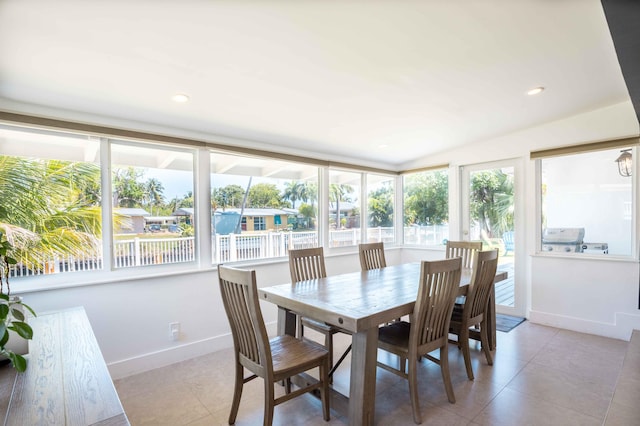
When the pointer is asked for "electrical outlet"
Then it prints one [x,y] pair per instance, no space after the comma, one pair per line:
[174,330]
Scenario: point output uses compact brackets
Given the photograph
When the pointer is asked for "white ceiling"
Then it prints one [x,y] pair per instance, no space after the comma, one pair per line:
[385,82]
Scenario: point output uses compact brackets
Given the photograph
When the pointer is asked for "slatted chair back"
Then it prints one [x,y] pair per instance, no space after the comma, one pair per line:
[240,299]
[484,272]
[372,256]
[464,249]
[307,264]
[439,282]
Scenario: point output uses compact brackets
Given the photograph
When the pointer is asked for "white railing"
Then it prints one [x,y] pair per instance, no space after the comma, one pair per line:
[234,247]
[226,248]
[427,235]
[156,251]
[71,263]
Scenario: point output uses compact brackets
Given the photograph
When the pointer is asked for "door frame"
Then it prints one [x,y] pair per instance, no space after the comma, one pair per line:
[520,293]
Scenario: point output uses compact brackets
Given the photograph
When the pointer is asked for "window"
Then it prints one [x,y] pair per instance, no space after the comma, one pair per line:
[261,207]
[52,205]
[152,188]
[380,202]
[259,223]
[50,200]
[344,208]
[586,204]
[426,208]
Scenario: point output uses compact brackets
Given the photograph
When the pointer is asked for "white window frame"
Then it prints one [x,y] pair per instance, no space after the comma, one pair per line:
[538,157]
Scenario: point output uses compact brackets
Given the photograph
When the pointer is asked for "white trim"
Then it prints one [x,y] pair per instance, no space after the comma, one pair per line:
[621,328]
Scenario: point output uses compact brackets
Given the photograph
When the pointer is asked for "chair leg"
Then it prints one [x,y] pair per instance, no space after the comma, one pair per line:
[237,393]
[446,375]
[328,343]
[324,390]
[463,338]
[484,339]
[269,403]
[413,389]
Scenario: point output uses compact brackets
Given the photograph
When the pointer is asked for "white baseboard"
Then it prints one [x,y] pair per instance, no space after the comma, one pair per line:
[162,358]
[621,329]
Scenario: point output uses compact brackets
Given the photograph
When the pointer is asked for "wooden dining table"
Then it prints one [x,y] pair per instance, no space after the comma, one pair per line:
[358,302]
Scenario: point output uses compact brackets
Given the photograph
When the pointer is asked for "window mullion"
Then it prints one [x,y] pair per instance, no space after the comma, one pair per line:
[203,213]
[107,204]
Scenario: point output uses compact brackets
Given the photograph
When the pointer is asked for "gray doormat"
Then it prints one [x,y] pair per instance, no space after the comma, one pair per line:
[506,323]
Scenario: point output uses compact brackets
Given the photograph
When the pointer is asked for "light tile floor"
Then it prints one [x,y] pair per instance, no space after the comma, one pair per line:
[541,376]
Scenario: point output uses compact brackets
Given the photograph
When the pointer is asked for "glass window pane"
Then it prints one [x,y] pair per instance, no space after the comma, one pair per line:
[153,204]
[344,208]
[426,208]
[586,205]
[50,200]
[261,207]
[491,206]
[380,193]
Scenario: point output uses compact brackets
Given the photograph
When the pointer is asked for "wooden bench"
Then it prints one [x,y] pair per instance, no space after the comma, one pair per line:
[67,381]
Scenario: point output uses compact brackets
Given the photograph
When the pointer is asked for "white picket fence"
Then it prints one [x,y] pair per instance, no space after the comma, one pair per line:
[226,248]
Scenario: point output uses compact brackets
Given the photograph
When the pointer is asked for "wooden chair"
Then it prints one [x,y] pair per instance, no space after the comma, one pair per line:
[427,329]
[474,311]
[372,256]
[274,360]
[464,249]
[308,264]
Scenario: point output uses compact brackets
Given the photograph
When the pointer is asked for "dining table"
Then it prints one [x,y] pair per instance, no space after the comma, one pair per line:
[358,302]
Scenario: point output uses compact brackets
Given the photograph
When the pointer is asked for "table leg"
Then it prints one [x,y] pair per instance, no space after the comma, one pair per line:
[362,392]
[286,322]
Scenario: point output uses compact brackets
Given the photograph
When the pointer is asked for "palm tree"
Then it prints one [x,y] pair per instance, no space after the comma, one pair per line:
[293,191]
[154,193]
[492,201]
[310,193]
[44,208]
[337,193]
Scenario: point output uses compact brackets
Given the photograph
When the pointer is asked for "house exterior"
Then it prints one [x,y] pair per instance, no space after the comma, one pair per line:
[257,219]
[133,220]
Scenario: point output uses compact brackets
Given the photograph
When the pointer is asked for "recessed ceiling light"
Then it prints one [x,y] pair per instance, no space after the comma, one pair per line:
[180,97]
[535,91]
[383,146]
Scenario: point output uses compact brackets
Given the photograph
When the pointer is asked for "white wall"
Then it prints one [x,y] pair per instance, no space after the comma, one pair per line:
[130,318]
[595,295]
[591,296]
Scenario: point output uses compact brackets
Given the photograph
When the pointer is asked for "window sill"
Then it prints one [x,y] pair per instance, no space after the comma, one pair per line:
[583,256]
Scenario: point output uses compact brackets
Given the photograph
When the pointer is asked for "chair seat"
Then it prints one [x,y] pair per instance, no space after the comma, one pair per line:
[395,334]
[291,355]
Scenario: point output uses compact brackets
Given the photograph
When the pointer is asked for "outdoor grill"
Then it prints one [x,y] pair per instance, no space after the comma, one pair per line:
[564,240]
[595,248]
